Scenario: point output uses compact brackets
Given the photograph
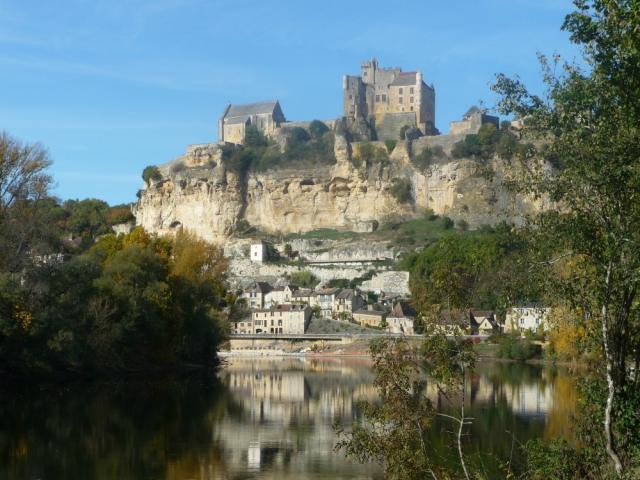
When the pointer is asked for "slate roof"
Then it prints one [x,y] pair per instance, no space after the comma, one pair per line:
[457,317]
[482,314]
[404,78]
[236,120]
[302,292]
[260,287]
[403,310]
[249,109]
[346,294]
[474,109]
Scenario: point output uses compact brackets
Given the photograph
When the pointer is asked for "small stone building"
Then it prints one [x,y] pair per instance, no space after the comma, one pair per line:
[258,252]
[402,319]
[472,121]
[345,303]
[236,119]
[369,318]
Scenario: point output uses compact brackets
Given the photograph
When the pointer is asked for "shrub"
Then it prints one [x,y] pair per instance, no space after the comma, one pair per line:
[403,131]
[438,151]
[423,159]
[177,167]
[151,173]
[401,190]
[514,348]
[369,154]
[390,144]
[447,223]
[299,135]
[304,279]
[317,129]
[463,225]
[253,137]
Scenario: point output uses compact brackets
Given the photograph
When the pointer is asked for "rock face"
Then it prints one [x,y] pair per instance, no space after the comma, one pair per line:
[204,194]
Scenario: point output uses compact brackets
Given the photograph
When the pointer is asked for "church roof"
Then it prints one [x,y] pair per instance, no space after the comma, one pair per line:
[474,109]
[248,109]
[404,78]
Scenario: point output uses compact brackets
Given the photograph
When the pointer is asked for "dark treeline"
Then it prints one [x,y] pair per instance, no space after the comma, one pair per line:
[77,300]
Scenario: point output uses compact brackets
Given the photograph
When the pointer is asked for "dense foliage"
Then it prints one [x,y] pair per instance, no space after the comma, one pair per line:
[488,142]
[130,304]
[300,148]
[402,190]
[589,123]
[483,269]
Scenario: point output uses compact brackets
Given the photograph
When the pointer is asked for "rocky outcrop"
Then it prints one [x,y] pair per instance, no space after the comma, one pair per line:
[202,192]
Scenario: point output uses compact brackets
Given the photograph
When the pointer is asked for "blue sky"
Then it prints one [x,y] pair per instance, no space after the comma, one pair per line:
[110,86]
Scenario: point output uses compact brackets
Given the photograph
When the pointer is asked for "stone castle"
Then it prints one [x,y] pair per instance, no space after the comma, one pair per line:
[386,101]
[204,192]
[390,99]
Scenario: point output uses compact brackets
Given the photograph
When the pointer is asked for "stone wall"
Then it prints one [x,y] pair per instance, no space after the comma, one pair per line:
[391,283]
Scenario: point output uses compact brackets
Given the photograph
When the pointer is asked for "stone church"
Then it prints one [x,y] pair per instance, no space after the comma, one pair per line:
[236,119]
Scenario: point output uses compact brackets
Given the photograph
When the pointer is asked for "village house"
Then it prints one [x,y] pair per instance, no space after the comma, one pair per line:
[370,318]
[285,319]
[280,295]
[402,319]
[486,321]
[302,295]
[237,119]
[526,318]
[256,295]
[325,299]
[345,303]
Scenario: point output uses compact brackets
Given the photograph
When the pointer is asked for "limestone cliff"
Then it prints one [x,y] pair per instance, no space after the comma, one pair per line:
[203,192]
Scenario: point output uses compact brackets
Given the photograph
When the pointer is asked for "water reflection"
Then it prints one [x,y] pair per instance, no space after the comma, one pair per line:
[262,419]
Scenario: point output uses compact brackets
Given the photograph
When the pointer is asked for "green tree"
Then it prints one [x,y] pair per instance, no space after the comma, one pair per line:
[317,129]
[24,188]
[589,122]
[151,173]
[394,431]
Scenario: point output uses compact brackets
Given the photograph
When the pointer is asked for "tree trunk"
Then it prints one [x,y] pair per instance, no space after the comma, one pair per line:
[608,434]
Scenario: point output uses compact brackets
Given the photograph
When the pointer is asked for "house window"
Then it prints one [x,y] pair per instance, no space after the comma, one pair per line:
[411,90]
[410,99]
[400,91]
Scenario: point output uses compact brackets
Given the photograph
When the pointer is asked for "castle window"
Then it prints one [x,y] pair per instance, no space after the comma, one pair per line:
[399,99]
[412,108]
[411,90]
[384,98]
[350,97]
[377,98]
[411,100]
[400,90]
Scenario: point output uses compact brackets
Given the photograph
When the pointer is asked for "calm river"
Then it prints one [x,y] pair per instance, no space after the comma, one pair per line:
[263,419]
